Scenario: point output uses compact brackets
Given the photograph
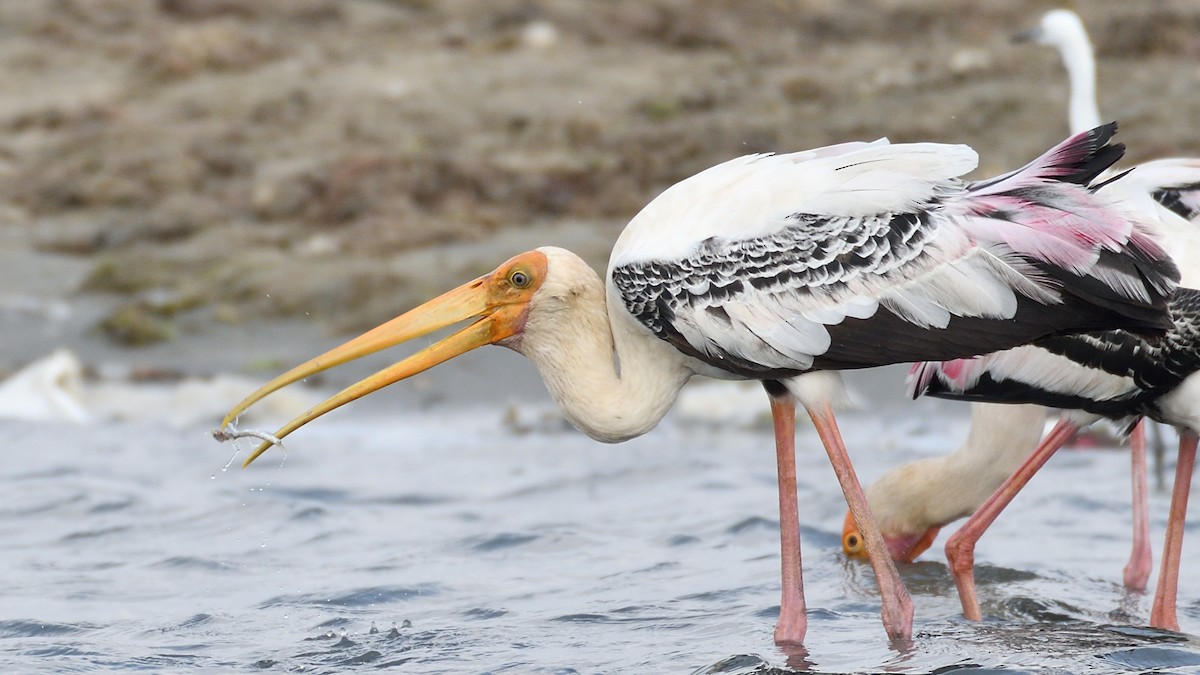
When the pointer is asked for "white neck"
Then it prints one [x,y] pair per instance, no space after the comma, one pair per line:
[932,492]
[613,380]
[1076,51]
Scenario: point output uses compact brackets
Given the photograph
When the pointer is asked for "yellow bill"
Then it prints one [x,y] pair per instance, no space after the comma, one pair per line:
[497,301]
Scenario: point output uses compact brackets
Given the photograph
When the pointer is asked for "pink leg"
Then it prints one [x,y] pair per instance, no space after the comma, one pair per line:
[1137,570]
[897,605]
[793,618]
[960,549]
[1162,614]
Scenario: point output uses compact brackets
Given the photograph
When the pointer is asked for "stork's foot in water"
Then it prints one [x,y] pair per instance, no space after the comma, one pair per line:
[1162,613]
[960,555]
[960,549]
[793,616]
[796,658]
[789,631]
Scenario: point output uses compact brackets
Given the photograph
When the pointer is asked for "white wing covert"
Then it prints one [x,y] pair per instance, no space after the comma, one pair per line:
[880,246]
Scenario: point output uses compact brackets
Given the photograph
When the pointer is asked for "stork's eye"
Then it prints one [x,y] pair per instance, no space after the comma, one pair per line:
[852,542]
[519,278]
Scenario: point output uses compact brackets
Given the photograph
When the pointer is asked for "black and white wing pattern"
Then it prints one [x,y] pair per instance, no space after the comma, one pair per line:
[868,254]
[1174,184]
[1167,192]
[1112,374]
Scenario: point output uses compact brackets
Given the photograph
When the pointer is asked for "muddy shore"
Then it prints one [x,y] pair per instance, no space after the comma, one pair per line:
[179,168]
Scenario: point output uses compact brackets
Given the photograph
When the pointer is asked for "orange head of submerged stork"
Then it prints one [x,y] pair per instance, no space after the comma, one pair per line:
[904,548]
[499,303]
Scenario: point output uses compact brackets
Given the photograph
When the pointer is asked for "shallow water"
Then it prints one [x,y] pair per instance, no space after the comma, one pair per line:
[453,540]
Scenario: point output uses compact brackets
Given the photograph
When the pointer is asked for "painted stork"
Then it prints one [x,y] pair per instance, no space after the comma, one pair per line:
[785,269]
[912,502]
[1113,374]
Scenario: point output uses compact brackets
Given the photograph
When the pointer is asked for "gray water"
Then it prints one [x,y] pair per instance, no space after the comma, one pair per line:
[446,538]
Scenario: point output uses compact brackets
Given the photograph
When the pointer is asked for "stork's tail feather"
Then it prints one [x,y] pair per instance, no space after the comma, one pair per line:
[1095,154]
[974,380]
[919,377]
[1133,287]
[1085,245]
[1078,159]
[930,378]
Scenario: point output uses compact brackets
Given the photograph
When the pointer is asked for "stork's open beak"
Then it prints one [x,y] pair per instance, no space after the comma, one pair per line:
[499,302]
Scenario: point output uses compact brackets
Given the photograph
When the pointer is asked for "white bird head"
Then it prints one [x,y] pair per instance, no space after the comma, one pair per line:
[1058,28]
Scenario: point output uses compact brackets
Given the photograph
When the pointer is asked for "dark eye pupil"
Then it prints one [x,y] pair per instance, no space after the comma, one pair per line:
[519,279]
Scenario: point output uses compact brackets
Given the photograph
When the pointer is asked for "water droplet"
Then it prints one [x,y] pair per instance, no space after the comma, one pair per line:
[406,624]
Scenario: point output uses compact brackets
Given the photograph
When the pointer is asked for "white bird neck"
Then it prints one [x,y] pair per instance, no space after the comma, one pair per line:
[613,380]
[1076,50]
[932,492]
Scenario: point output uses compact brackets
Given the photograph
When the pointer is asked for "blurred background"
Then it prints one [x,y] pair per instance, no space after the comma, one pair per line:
[175,167]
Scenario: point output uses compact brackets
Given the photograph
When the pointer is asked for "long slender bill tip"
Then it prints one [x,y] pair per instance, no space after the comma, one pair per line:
[229,433]
[263,447]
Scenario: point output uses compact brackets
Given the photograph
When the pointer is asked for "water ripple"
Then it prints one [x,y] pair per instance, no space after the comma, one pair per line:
[58,650]
[309,513]
[583,618]
[194,621]
[186,562]
[376,649]
[1143,658]
[113,506]
[753,524]
[481,613]
[44,507]
[414,499]
[739,664]
[316,494]
[97,533]
[29,628]
[500,541]
[365,597]
[720,595]
[1020,607]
